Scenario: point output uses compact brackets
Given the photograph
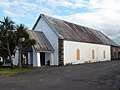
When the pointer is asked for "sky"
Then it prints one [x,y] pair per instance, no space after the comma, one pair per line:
[102,15]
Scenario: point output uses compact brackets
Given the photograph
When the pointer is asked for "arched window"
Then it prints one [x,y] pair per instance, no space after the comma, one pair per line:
[93,54]
[78,54]
[104,54]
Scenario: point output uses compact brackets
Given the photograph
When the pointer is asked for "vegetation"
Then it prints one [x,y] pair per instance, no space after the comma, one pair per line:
[11,39]
[1,63]
[7,37]
[22,41]
[11,72]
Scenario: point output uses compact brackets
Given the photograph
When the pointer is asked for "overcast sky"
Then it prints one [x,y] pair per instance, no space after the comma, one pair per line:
[103,15]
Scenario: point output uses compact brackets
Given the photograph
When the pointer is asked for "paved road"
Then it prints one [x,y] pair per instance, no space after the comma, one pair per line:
[97,76]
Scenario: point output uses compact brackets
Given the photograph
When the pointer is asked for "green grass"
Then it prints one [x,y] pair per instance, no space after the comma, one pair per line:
[11,72]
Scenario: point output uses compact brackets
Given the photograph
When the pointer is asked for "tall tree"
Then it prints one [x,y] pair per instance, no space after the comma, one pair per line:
[12,36]
[7,30]
[23,41]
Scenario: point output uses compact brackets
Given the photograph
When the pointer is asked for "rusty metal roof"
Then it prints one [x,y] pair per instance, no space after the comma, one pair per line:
[73,32]
[42,44]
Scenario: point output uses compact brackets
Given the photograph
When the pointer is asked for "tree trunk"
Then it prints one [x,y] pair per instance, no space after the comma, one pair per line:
[19,59]
[10,56]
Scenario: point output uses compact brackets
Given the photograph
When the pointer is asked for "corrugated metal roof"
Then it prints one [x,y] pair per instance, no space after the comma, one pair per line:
[42,44]
[73,32]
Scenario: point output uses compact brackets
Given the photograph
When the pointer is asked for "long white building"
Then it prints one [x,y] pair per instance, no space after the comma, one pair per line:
[60,43]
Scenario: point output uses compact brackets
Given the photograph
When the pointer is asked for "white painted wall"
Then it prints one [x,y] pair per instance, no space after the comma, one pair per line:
[1,59]
[51,36]
[15,60]
[36,58]
[70,48]
[29,58]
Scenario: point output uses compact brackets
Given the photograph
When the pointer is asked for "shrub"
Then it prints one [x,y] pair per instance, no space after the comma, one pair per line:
[1,63]
[68,64]
[86,62]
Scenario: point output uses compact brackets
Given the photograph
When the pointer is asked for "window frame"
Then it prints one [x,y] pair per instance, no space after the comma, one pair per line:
[104,54]
[93,54]
[78,54]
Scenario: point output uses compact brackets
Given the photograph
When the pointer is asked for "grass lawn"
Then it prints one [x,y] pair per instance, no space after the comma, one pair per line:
[11,72]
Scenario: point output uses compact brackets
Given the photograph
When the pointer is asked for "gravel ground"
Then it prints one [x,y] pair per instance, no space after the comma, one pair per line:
[95,76]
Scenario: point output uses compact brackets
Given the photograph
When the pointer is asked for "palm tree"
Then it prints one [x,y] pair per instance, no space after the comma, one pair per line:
[7,30]
[22,41]
[12,36]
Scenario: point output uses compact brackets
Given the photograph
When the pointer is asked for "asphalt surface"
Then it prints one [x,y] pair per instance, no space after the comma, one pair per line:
[95,76]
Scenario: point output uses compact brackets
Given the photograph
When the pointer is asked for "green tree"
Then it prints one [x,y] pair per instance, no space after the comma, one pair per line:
[7,30]
[11,36]
[23,41]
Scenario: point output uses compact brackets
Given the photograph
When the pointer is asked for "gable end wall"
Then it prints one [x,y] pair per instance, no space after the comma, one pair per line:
[51,36]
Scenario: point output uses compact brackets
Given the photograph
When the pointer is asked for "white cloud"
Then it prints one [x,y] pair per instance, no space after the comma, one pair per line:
[4,4]
[9,13]
[104,4]
[102,15]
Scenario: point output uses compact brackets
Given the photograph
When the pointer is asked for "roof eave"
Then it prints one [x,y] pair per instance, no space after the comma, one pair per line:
[36,22]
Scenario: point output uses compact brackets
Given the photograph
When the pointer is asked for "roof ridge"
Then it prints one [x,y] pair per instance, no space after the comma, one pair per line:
[70,22]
